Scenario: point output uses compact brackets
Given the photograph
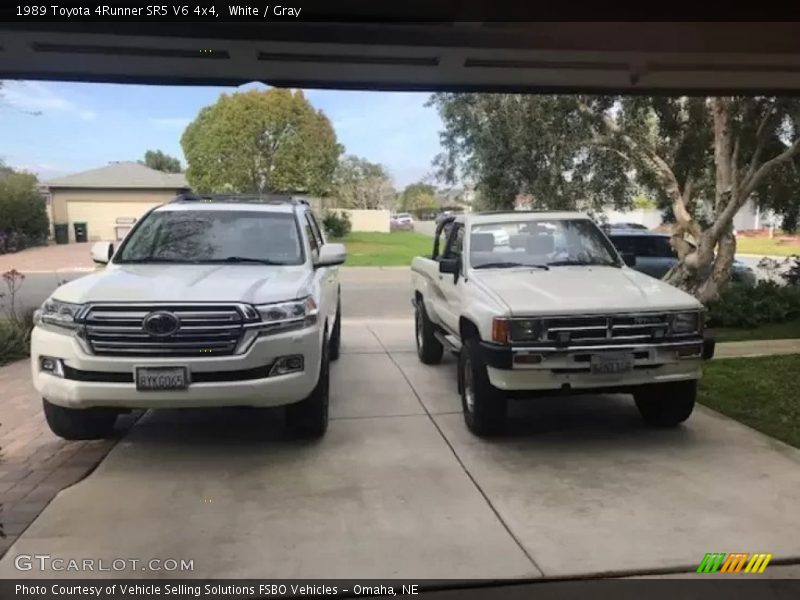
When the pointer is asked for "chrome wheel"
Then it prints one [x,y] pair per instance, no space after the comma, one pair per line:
[469,388]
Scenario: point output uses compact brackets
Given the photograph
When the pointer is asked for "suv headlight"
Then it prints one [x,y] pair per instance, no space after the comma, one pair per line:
[57,312]
[688,322]
[282,315]
[505,330]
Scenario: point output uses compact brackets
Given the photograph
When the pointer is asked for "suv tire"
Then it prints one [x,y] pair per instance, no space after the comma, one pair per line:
[484,406]
[666,404]
[309,418]
[79,423]
[429,349]
[336,334]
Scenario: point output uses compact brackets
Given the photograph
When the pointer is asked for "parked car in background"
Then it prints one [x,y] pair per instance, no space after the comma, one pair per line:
[629,225]
[401,222]
[655,255]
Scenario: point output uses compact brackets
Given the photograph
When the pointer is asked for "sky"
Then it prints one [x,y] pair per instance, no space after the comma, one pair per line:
[83,126]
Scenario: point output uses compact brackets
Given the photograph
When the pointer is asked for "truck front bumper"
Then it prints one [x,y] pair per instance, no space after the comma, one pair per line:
[88,380]
[529,368]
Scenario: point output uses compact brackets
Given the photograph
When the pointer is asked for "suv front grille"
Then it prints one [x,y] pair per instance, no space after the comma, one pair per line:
[615,328]
[203,330]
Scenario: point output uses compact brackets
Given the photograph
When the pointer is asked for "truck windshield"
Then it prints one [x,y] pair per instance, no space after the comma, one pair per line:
[209,236]
[540,242]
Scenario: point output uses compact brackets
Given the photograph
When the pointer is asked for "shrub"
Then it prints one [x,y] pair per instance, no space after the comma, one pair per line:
[15,325]
[337,224]
[23,213]
[792,274]
[767,302]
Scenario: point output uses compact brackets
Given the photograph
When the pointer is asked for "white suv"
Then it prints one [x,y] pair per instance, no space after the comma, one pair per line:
[215,301]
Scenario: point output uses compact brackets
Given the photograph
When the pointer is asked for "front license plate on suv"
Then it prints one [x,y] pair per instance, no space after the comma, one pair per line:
[611,364]
[151,379]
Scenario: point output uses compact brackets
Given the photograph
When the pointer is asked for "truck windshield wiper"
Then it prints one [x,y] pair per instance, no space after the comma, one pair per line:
[247,259]
[508,265]
[154,259]
[581,263]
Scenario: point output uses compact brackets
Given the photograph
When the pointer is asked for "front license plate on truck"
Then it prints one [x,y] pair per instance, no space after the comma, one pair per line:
[151,379]
[611,364]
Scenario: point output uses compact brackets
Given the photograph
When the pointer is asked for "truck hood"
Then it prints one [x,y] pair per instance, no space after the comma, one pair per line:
[256,284]
[595,289]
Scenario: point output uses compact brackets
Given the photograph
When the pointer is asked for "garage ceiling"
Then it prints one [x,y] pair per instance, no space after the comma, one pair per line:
[699,57]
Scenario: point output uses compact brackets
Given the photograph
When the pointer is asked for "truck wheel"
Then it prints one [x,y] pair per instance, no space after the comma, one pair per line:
[429,349]
[666,404]
[483,404]
[336,334]
[79,423]
[309,418]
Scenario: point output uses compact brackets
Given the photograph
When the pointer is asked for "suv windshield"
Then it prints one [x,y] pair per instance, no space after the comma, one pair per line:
[540,242]
[203,236]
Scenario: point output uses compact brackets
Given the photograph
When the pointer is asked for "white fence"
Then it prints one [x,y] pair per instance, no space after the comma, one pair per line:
[368,220]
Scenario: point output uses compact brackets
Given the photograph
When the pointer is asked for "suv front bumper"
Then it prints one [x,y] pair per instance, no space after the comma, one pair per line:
[233,380]
[569,368]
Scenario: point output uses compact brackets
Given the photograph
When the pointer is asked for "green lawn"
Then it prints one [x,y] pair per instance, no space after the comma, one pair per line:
[371,249]
[770,331]
[745,245]
[759,392]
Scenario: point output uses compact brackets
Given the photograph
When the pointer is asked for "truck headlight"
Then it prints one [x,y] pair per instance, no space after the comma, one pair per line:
[505,330]
[57,312]
[688,322]
[294,313]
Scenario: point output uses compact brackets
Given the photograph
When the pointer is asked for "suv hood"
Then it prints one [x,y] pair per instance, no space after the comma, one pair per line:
[256,284]
[596,289]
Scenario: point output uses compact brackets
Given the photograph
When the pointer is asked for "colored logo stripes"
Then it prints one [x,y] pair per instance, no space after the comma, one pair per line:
[721,562]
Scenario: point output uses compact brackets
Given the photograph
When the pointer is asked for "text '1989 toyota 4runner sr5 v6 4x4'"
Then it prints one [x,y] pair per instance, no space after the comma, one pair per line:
[542,304]
[216,301]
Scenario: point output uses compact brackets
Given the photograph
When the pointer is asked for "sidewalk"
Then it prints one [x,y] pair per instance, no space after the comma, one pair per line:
[756,348]
[35,464]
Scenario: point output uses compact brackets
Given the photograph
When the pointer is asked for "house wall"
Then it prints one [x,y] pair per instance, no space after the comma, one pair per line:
[100,208]
[369,220]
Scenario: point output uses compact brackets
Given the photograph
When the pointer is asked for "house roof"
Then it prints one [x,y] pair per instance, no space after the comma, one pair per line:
[124,175]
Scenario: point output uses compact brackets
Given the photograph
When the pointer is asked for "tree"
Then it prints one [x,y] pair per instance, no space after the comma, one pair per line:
[261,142]
[418,196]
[701,158]
[158,160]
[359,183]
[22,209]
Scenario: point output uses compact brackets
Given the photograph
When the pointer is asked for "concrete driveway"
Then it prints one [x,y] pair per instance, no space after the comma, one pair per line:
[399,489]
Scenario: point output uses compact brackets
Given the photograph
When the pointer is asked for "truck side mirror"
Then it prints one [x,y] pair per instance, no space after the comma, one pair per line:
[448,265]
[102,252]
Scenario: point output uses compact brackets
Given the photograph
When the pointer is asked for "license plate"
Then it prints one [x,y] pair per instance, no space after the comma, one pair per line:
[611,364]
[150,379]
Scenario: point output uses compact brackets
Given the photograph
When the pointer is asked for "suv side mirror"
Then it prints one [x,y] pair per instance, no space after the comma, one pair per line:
[331,255]
[102,252]
[449,265]
[629,258]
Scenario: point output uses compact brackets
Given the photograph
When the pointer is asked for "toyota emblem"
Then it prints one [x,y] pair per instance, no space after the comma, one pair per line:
[161,323]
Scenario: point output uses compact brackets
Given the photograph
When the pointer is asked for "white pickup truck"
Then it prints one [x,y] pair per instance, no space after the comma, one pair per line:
[213,301]
[540,303]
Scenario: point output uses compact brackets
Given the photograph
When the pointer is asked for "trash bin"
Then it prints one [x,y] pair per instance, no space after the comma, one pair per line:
[61,231]
[80,232]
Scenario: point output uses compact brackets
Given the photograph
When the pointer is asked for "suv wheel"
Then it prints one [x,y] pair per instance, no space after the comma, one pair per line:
[429,349]
[309,418]
[79,423]
[666,404]
[336,334]
[484,406]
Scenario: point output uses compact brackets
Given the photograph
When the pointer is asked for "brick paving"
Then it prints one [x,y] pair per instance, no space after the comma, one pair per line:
[35,464]
[55,257]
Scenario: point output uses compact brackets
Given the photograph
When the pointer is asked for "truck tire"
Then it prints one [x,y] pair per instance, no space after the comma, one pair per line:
[336,334]
[79,423]
[666,404]
[309,418]
[484,406]
[429,349]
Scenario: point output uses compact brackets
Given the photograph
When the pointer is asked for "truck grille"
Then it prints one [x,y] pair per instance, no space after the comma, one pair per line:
[604,328]
[203,330]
